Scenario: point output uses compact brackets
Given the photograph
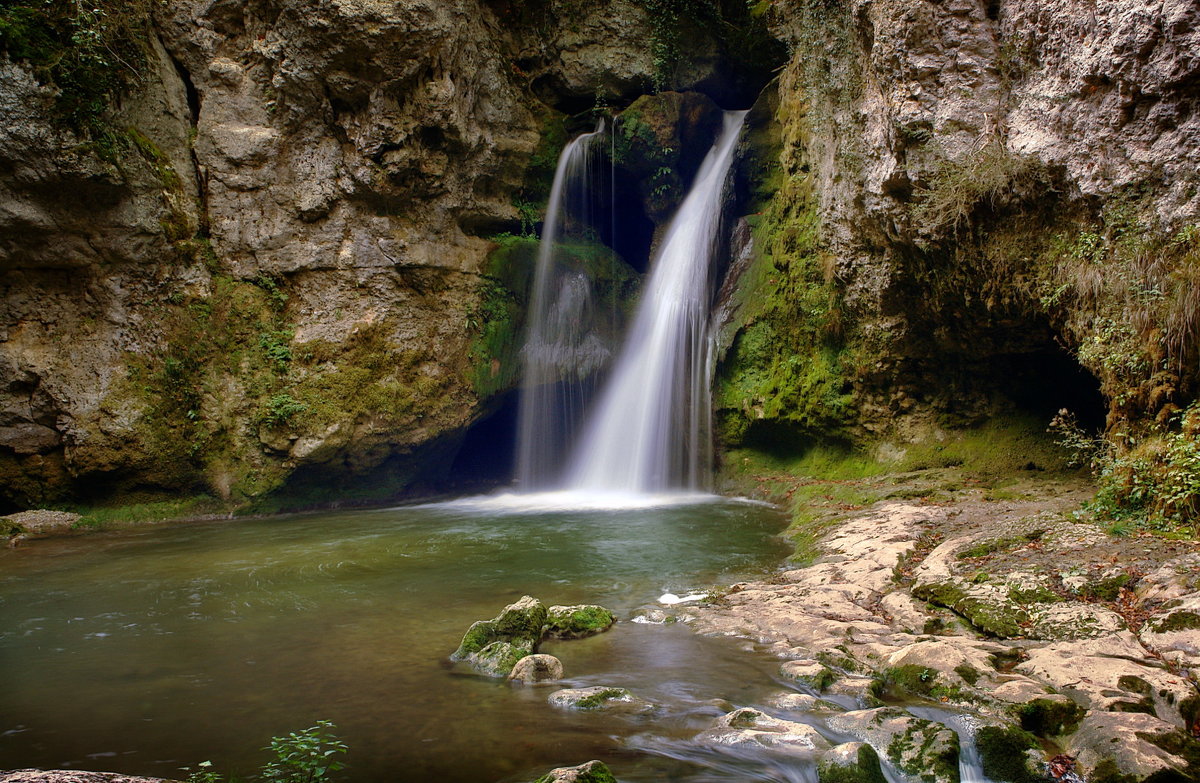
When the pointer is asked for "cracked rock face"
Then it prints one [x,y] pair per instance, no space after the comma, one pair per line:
[351,156]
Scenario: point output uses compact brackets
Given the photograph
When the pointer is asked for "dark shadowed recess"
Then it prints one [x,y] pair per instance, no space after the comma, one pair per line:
[487,456]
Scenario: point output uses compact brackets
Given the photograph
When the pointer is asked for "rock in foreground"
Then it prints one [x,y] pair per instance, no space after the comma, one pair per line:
[589,772]
[493,647]
[72,776]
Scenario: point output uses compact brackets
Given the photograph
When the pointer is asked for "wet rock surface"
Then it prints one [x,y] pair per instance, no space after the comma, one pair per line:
[749,728]
[1057,646]
[600,697]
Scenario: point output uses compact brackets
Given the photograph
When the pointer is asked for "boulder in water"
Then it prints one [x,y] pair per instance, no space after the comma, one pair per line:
[499,658]
[590,772]
[577,622]
[537,668]
[493,647]
[599,697]
[750,729]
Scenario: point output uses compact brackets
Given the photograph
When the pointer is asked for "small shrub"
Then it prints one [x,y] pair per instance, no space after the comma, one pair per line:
[92,52]
[277,345]
[281,409]
[1155,481]
[305,756]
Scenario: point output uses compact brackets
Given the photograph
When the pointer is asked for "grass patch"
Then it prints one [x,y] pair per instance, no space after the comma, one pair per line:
[132,514]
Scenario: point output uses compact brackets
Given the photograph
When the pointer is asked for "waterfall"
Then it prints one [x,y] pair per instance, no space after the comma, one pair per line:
[563,349]
[650,430]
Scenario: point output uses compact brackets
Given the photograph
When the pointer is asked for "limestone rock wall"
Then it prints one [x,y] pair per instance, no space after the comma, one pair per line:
[1001,188]
[282,266]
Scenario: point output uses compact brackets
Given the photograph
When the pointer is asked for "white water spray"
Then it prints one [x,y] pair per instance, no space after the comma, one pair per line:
[651,428]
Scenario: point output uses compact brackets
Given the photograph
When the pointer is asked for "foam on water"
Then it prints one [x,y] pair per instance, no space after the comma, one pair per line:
[572,500]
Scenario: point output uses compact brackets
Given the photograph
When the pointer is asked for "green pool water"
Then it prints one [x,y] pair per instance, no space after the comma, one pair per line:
[148,650]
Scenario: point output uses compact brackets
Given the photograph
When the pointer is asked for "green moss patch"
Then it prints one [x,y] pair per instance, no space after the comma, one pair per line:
[1002,751]
[600,698]
[1050,717]
[577,622]
[867,770]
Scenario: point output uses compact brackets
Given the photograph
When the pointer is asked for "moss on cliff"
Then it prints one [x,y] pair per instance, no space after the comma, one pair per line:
[787,371]
[91,52]
[230,402]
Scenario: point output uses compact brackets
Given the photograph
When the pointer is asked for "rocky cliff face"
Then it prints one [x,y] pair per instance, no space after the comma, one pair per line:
[975,199]
[276,259]
[280,264]
[280,270]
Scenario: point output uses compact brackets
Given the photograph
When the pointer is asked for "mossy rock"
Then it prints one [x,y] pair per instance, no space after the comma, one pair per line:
[479,635]
[524,619]
[598,697]
[927,751]
[493,647]
[854,762]
[590,772]
[498,658]
[808,673]
[1169,621]
[577,622]
[1004,754]
[1050,717]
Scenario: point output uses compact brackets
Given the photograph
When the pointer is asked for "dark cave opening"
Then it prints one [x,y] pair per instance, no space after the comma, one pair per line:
[487,455]
[1048,380]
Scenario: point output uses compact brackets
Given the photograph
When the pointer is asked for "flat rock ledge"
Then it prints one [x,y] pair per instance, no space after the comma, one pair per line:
[73,776]
[40,523]
[1017,612]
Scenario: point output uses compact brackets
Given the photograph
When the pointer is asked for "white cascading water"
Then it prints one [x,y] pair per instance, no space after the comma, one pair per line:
[650,429]
[562,351]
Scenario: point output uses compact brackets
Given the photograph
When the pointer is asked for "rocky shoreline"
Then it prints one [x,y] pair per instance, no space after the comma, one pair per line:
[1061,638]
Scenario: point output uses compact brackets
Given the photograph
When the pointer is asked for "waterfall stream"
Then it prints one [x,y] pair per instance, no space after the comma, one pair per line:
[563,350]
[650,430]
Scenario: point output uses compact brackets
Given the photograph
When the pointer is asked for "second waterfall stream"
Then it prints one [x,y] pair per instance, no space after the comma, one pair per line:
[650,430]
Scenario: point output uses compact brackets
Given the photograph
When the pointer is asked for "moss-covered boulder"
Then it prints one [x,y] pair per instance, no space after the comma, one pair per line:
[498,658]
[493,647]
[850,762]
[660,142]
[1009,754]
[524,619]
[589,772]
[577,622]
